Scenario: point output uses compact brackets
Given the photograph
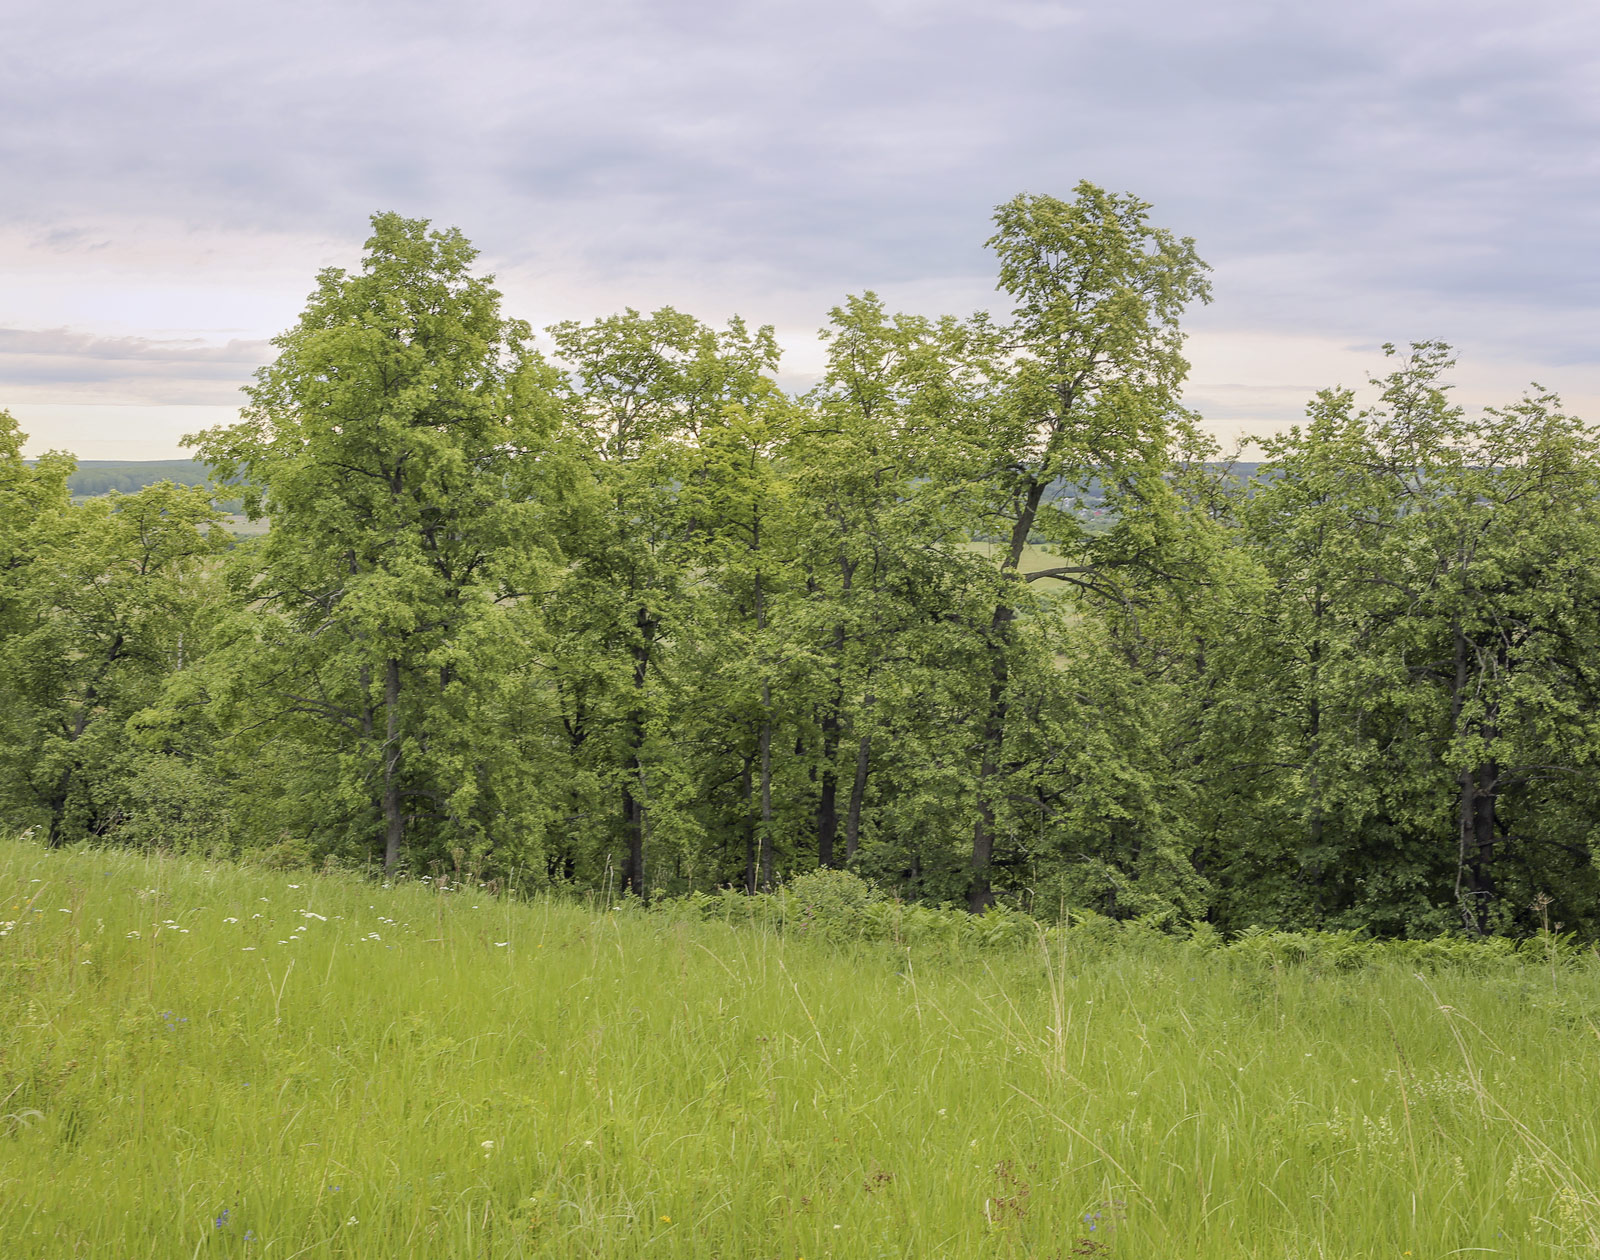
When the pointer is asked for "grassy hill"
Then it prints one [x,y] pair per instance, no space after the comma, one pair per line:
[201,1060]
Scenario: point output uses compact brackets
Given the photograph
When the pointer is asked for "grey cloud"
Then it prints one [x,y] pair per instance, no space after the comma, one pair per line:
[59,365]
[1350,167]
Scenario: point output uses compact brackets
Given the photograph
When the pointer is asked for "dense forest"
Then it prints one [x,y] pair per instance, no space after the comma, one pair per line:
[982,616]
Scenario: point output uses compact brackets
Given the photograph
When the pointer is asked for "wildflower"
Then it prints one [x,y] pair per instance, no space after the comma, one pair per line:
[249,1235]
[352,1221]
[666,1220]
[222,1219]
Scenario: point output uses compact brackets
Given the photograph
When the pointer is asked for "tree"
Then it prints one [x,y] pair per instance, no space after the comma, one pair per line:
[1082,385]
[99,624]
[404,446]
[642,389]
[1420,664]
[883,573]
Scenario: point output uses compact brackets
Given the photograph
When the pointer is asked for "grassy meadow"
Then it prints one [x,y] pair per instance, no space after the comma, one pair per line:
[207,1060]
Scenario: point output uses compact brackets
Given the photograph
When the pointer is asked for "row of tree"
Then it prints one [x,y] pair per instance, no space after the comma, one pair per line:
[629,616]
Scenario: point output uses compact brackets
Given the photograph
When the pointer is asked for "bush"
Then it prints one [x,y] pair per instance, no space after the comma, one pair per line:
[829,904]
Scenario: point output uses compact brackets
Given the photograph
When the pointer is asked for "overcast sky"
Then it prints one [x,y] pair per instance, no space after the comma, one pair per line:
[173,175]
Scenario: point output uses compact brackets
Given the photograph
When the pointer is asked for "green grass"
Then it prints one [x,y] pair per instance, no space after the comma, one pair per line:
[350,1070]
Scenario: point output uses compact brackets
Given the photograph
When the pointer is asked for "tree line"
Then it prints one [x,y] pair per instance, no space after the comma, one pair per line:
[983,615]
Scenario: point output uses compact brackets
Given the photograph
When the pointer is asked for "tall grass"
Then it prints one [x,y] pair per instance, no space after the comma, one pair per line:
[212,1061]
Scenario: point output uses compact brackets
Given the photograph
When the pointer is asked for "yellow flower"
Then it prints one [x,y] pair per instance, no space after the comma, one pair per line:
[666,1220]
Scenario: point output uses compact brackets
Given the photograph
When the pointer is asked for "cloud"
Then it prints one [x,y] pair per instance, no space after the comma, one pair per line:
[58,365]
[1358,172]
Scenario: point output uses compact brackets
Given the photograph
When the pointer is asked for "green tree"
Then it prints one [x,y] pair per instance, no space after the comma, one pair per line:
[98,621]
[1420,665]
[882,570]
[404,446]
[641,391]
[1082,386]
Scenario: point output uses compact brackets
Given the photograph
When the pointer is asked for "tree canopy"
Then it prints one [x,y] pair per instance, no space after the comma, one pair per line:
[981,615]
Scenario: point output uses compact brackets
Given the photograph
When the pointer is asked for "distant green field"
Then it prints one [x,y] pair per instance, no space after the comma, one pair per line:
[199,1060]
[1033,559]
[242,526]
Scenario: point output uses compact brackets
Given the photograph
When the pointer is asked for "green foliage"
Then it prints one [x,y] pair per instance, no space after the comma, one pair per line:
[95,606]
[982,618]
[405,445]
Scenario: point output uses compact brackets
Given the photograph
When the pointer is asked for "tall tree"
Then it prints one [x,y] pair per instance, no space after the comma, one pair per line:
[402,446]
[641,389]
[1419,665]
[1083,386]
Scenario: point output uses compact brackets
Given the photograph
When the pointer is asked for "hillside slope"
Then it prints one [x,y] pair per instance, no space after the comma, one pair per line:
[197,1059]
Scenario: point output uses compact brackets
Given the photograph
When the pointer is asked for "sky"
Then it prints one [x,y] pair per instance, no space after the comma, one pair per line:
[172,176]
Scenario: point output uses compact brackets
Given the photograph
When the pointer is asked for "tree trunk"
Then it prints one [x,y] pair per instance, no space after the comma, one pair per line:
[766,787]
[55,837]
[980,895]
[749,827]
[633,806]
[766,727]
[633,827]
[393,820]
[858,794]
[828,801]
[828,797]
[1475,810]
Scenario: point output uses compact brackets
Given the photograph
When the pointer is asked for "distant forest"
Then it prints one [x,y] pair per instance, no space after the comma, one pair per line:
[984,616]
[93,477]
